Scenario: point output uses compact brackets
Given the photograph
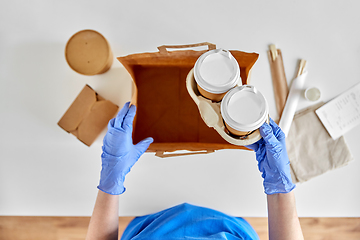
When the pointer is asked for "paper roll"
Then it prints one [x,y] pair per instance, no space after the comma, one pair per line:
[295,92]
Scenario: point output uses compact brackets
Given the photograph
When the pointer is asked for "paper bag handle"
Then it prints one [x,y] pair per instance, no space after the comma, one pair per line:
[163,48]
[163,155]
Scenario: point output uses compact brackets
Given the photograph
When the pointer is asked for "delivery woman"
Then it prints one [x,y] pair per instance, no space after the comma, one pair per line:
[186,221]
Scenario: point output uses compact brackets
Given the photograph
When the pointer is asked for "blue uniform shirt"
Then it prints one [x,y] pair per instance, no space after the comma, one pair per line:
[187,221]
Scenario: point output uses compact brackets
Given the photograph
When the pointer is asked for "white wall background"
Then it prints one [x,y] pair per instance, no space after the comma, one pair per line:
[45,171]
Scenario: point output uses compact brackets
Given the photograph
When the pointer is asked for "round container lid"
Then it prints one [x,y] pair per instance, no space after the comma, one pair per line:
[312,94]
[244,108]
[217,71]
[87,52]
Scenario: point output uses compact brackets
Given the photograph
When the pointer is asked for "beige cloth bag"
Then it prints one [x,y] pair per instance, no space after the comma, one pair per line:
[311,150]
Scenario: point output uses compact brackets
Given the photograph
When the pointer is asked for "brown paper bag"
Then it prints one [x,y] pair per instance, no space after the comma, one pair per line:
[165,110]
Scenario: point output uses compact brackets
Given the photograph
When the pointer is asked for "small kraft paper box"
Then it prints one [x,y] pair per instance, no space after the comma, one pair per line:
[88,115]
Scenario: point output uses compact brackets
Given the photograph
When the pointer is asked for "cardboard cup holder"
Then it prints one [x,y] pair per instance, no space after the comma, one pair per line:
[210,113]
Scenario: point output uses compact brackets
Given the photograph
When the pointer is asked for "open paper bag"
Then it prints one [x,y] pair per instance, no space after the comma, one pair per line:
[165,110]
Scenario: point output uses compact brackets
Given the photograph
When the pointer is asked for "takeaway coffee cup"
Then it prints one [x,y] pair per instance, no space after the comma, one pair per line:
[244,109]
[216,72]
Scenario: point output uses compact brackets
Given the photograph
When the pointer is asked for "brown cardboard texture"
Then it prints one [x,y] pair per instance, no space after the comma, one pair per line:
[88,52]
[165,110]
[88,115]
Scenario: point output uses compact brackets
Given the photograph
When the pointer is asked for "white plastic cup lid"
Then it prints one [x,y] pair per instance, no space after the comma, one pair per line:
[244,108]
[217,71]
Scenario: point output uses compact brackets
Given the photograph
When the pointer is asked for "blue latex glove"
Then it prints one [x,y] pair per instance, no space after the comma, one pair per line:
[273,160]
[119,152]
